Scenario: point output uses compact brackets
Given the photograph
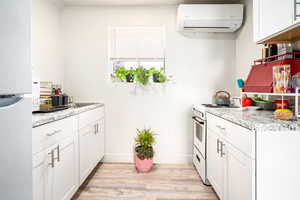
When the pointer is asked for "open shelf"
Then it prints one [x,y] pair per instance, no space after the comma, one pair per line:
[295,95]
[272,94]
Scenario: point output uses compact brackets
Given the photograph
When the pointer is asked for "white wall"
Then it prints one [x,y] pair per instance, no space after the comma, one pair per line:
[246,49]
[47,51]
[200,67]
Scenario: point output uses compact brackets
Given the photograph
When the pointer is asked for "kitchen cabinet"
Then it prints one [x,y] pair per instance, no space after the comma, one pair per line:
[91,141]
[65,152]
[271,17]
[215,163]
[230,159]
[64,172]
[54,160]
[42,175]
[238,170]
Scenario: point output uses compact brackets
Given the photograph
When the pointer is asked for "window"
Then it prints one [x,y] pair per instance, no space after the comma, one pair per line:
[132,47]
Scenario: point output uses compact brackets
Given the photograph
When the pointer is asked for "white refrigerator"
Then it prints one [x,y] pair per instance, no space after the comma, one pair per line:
[15,100]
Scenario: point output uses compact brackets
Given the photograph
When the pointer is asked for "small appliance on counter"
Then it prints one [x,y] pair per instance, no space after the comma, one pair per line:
[221,98]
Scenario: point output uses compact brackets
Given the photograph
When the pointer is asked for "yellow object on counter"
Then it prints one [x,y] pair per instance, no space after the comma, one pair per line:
[283,114]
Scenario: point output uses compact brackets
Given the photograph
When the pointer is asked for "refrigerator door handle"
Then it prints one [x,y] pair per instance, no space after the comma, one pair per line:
[8,101]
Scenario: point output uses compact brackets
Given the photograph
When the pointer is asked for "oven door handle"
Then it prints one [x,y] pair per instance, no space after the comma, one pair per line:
[198,120]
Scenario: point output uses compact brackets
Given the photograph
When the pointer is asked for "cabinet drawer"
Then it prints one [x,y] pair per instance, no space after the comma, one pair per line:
[239,137]
[49,134]
[86,118]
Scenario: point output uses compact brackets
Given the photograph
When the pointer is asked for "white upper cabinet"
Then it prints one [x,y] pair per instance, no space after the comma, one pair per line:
[272,17]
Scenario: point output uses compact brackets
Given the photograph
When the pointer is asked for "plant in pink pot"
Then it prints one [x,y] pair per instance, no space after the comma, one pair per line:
[143,155]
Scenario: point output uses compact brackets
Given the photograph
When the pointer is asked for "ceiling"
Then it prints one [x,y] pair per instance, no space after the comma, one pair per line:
[141,2]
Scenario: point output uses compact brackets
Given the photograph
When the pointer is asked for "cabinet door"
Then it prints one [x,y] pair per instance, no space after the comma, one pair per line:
[275,16]
[64,175]
[256,21]
[215,163]
[99,140]
[42,175]
[86,153]
[238,175]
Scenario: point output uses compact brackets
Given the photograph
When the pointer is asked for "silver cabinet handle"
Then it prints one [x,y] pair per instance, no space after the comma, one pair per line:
[222,149]
[53,133]
[218,146]
[58,153]
[52,163]
[95,129]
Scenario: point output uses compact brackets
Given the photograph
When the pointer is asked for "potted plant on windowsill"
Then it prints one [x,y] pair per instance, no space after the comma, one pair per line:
[142,75]
[120,73]
[143,155]
[158,75]
[130,75]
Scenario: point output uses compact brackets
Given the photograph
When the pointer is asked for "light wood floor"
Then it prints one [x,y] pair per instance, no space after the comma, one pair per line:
[112,181]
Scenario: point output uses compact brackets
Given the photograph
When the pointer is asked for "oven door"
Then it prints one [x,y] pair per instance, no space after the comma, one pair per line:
[199,129]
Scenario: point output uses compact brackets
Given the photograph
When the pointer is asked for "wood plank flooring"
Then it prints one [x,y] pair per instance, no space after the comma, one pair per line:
[111,181]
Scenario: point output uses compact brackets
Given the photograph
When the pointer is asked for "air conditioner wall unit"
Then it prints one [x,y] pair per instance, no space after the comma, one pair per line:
[209,17]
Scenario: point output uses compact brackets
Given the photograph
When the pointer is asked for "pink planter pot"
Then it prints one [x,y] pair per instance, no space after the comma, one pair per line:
[143,165]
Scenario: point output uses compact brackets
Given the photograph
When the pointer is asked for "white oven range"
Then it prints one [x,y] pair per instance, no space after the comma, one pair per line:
[199,147]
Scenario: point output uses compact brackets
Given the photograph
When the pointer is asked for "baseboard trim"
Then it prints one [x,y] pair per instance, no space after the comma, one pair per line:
[128,158]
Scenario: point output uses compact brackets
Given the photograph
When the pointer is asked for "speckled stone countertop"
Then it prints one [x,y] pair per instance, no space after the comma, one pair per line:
[44,118]
[257,120]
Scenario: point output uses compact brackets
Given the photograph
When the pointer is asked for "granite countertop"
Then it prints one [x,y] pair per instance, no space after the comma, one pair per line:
[44,118]
[257,120]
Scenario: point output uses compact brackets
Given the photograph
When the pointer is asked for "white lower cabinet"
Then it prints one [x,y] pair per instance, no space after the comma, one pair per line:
[42,175]
[54,172]
[64,172]
[230,170]
[215,163]
[91,145]
[238,170]
[64,154]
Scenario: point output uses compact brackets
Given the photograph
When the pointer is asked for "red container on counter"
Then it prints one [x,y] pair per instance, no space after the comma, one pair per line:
[282,104]
[260,78]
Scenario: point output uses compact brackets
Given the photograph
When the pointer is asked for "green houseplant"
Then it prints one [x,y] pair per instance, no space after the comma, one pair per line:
[130,75]
[142,75]
[144,152]
[120,73]
[158,75]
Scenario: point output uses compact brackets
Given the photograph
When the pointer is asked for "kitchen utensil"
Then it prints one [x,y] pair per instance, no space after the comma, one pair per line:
[264,104]
[222,98]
